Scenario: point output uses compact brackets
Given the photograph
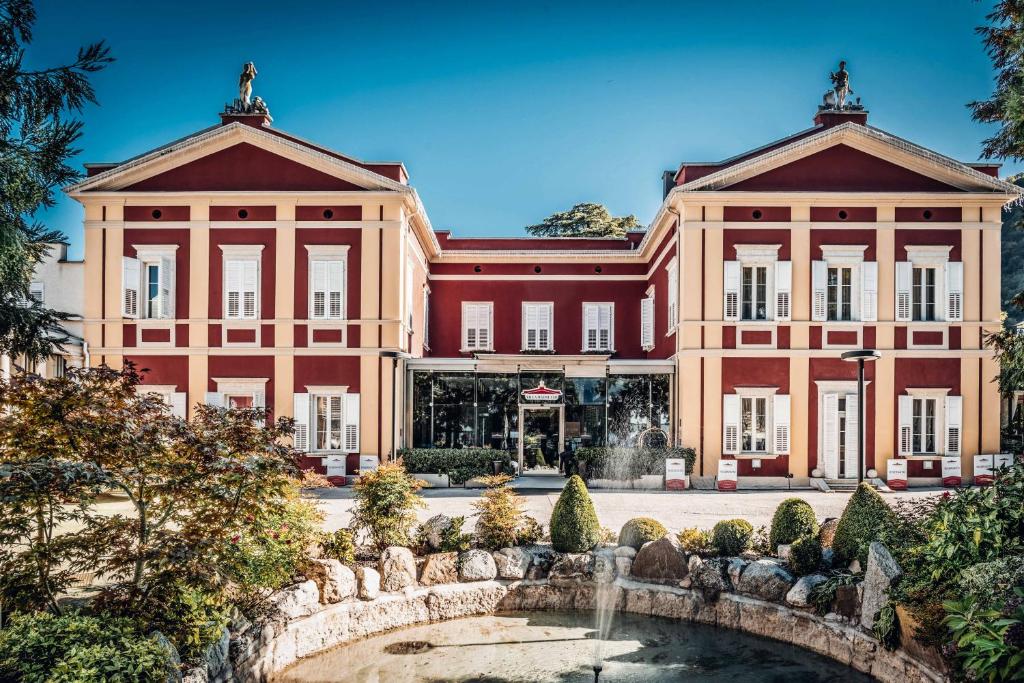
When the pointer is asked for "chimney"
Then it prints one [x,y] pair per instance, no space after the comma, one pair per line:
[828,118]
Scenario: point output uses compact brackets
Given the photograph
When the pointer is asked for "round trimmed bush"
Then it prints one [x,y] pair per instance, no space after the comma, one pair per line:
[805,555]
[863,521]
[640,530]
[732,536]
[793,519]
[574,525]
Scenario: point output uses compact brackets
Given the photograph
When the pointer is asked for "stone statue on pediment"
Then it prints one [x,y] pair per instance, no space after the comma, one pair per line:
[836,98]
[245,103]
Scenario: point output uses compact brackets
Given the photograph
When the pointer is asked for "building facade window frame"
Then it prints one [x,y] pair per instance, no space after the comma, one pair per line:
[934,412]
[841,262]
[328,275]
[148,282]
[242,274]
[538,325]
[757,285]
[477,326]
[740,412]
[929,286]
[598,326]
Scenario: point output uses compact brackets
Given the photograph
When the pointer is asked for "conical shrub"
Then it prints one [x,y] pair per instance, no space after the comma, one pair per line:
[863,521]
[574,525]
[793,519]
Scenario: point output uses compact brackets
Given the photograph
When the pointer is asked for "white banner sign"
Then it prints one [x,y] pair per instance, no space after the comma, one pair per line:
[675,474]
[982,470]
[367,463]
[951,472]
[896,474]
[727,475]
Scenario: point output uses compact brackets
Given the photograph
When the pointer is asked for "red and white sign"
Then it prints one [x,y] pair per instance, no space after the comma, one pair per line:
[951,472]
[985,464]
[727,475]
[896,474]
[676,478]
[541,393]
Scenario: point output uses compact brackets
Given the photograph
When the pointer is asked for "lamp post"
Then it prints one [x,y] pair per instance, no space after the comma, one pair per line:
[861,356]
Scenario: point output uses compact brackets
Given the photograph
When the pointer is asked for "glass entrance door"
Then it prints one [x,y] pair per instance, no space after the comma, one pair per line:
[541,440]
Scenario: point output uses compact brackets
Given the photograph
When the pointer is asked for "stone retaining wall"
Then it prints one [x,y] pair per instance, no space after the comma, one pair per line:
[275,645]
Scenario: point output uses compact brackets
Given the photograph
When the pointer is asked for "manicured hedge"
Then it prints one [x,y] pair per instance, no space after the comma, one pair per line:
[640,530]
[793,519]
[866,516]
[629,463]
[574,525]
[732,536]
[460,464]
[805,555]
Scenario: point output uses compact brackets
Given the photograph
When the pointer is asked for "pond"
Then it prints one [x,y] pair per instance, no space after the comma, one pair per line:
[559,646]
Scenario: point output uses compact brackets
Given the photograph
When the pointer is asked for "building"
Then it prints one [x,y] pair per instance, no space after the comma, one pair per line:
[242,265]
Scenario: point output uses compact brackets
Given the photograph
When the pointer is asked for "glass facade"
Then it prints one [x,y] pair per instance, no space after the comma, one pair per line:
[466,409]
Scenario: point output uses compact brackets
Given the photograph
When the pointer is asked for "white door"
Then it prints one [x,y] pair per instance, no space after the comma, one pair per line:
[839,435]
[830,435]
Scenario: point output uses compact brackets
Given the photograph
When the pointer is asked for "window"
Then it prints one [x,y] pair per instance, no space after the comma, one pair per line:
[923,424]
[929,286]
[840,293]
[326,419]
[152,290]
[930,422]
[673,297]
[238,401]
[757,285]
[841,408]
[328,433]
[35,291]
[328,289]
[537,324]
[597,327]
[754,424]
[844,285]
[477,322]
[923,293]
[240,288]
[755,421]
[60,366]
[647,322]
[754,293]
[147,282]
[426,318]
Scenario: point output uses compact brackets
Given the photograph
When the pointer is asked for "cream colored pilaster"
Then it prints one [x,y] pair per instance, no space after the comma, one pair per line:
[688,392]
[690,281]
[391,291]
[284,291]
[112,278]
[799,372]
[885,254]
[800,248]
[713,287]
[970,252]
[93,304]
[199,274]
[991,298]
[284,386]
[712,416]
[198,369]
[885,411]
[989,406]
[369,285]
[369,396]
[969,376]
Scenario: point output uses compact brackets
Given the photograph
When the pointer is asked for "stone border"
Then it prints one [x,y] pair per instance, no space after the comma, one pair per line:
[280,644]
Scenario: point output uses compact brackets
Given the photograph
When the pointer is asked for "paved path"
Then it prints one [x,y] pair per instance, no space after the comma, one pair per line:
[674,510]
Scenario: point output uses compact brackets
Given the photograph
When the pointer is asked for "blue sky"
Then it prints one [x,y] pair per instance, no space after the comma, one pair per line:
[506,112]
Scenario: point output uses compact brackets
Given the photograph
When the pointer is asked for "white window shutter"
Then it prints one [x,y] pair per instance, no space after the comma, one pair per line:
[259,399]
[250,287]
[233,289]
[819,283]
[955,290]
[905,418]
[352,423]
[215,399]
[531,327]
[408,296]
[731,304]
[673,296]
[468,326]
[954,422]
[300,411]
[869,291]
[131,279]
[852,425]
[179,404]
[605,320]
[730,424]
[780,413]
[336,280]
[545,327]
[590,325]
[783,289]
[904,276]
[647,323]
[830,432]
[318,297]
[167,287]
[485,315]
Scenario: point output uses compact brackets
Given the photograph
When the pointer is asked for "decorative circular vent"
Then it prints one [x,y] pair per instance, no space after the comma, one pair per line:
[328,214]
[243,214]
[927,214]
[156,214]
[843,215]
[597,269]
[478,269]
[757,214]
[536,269]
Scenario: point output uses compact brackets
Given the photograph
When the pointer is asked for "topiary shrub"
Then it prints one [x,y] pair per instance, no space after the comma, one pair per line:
[640,530]
[793,519]
[863,521]
[805,555]
[696,541]
[732,536]
[574,525]
[338,546]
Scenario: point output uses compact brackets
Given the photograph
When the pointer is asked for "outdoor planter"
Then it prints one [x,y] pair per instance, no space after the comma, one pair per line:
[432,481]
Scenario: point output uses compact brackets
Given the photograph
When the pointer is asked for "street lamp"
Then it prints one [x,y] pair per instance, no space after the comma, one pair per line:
[861,356]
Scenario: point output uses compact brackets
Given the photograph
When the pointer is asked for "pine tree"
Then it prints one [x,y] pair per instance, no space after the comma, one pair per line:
[584,220]
[38,130]
[1004,42]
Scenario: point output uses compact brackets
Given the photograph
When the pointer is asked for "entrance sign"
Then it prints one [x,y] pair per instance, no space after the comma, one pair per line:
[985,464]
[676,478]
[951,472]
[896,474]
[541,393]
[367,463]
[727,475]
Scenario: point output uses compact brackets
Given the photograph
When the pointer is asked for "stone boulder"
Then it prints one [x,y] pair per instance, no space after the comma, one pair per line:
[512,563]
[543,559]
[572,568]
[440,568]
[623,566]
[626,551]
[335,581]
[878,577]
[767,580]
[431,531]
[784,551]
[827,531]
[847,602]
[661,561]
[172,654]
[604,565]
[800,594]
[707,577]
[476,565]
[369,583]
[295,601]
[397,569]
[735,570]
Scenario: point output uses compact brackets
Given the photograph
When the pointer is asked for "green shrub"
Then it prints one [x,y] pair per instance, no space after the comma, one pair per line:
[460,464]
[452,538]
[793,519]
[574,525]
[863,521]
[732,536]
[386,502]
[640,530]
[805,555]
[989,641]
[43,648]
[696,541]
[824,594]
[630,463]
[502,522]
[338,546]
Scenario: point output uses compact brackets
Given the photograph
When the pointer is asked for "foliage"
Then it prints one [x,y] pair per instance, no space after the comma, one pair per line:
[191,617]
[44,648]
[630,463]
[338,546]
[311,479]
[607,535]
[451,536]
[640,530]
[38,132]
[584,220]
[793,519]
[696,541]
[574,525]
[760,542]
[386,501]
[501,519]
[805,555]
[1002,39]
[824,594]
[989,640]
[990,582]
[460,464]
[862,522]
[887,626]
[732,536]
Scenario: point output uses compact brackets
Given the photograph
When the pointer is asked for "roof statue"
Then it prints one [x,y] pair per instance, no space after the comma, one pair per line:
[835,99]
[245,103]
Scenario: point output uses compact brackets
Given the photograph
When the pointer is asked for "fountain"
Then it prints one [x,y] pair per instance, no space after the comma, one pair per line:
[605,597]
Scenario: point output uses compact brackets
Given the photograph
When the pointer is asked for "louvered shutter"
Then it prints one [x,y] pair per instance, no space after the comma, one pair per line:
[905,420]
[531,323]
[469,326]
[783,289]
[954,422]
[352,423]
[647,322]
[336,284]
[852,425]
[955,291]
[178,403]
[673,297]
[300,411]
[819,284]
[730,424]
[731,303]
[830,433]
[869,291]
[545,326]
[780,416]
[605,323]
[904,276]
[167,287]
[233,287]
[408,296]
[250,283]
[131,278]
[318,303]
[215,399]
[483,316]
[590,325]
